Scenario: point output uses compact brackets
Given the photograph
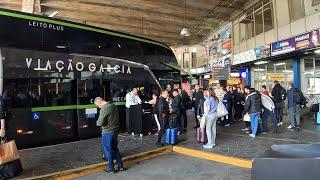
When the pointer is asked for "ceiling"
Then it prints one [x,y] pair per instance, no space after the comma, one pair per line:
[160,20]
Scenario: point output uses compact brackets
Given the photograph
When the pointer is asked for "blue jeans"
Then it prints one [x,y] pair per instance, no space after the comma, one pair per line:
[254,119]
[274,121]
[110,146]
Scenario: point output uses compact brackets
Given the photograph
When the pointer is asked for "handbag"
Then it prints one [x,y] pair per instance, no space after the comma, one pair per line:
[221,110]
[203,121]
[8,151]
[10,165]
[315,108]
[246,117]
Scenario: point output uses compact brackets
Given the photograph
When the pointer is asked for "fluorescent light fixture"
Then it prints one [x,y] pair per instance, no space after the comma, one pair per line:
[207,76]
[261,62]
[61,47]
[317,51]
[260,70]
[280,64]
[53,14]
[287,71]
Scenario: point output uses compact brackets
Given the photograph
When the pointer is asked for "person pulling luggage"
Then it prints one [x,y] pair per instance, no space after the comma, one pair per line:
[164,112]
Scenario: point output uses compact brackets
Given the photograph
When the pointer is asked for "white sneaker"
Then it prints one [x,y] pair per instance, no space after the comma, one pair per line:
[208,146]
[290,126]
[252,135]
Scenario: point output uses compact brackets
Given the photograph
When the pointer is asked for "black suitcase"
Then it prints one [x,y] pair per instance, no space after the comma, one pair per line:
[10,169]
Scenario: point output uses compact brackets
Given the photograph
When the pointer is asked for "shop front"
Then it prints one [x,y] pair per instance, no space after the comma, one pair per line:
[293,60]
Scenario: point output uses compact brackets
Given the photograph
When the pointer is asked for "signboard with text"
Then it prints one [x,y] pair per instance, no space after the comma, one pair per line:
[303,41]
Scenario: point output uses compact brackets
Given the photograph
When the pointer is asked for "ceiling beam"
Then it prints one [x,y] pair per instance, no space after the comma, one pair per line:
[31,6]
[115,21]
[154,6]
[27,6]
[117,11]
[15,7]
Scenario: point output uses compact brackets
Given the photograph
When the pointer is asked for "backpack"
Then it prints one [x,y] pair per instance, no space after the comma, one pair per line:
[298,97]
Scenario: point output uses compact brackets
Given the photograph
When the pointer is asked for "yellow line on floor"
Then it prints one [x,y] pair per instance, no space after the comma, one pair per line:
[96,168]
[243,163]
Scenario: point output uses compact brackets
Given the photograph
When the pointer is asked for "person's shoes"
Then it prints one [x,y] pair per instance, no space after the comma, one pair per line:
[252,135]
[245,129]
[275,132]
[298,127]
[104,158]
[264,133]
[110,171]
[208,146]
[185,130]
[132,134]
[157,133]
[122,169]
[290,127]
[227,125]
[178,133]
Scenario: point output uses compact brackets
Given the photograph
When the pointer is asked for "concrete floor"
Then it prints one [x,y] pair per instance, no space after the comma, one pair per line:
[175,166]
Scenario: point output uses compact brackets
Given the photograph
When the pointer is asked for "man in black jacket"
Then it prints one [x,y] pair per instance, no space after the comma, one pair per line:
[185,105]
[196,98]
[164,112]
[279,95]
[253,107]
[175,109]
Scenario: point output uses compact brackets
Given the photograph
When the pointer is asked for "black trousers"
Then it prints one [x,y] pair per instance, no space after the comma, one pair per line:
[129,130]
[279,111]
[163,124]
[238,109]
[196,113]
[184,118]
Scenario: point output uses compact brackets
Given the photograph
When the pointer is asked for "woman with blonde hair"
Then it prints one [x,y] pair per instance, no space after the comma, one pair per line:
[211,105]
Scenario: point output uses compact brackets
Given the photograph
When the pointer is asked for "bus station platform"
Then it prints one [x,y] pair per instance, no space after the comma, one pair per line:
[235,149]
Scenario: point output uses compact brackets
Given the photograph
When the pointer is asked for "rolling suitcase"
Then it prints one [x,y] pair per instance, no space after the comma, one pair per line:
[201,136]
[173,136]
[167,136]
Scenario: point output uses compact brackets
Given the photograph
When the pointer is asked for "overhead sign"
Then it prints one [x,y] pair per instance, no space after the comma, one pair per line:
[260,52]
[303,41]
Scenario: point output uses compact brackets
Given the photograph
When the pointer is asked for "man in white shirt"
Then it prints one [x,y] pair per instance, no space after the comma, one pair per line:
[132,98]
[219,92]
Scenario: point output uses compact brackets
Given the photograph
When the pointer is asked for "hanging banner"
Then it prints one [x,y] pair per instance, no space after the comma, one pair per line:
[303,41]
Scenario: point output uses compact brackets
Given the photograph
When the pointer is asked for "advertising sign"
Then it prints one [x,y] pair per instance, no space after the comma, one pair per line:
[303,41]
[282,47]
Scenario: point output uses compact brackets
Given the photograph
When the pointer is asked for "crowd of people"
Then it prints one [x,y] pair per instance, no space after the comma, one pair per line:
[222,105]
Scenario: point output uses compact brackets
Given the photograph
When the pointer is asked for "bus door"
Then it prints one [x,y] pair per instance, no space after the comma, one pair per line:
[88,89]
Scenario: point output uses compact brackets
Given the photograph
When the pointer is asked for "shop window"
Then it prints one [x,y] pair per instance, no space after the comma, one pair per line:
[242,32]
[296,8]
[268,17]
[311,7]
[194,59]
[258,22]
[186,57]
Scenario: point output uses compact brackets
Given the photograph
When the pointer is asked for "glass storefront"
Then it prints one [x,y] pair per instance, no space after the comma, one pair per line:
[310,75]
[266,74]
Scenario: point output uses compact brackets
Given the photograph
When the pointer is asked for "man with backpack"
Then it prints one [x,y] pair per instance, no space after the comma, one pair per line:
[279,96]
[296,100]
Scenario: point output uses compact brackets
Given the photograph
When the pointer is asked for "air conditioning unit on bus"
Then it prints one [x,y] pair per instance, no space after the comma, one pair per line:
[245,19]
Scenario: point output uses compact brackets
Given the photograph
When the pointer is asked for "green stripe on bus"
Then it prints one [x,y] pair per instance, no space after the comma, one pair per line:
[23,16]
[69,107]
